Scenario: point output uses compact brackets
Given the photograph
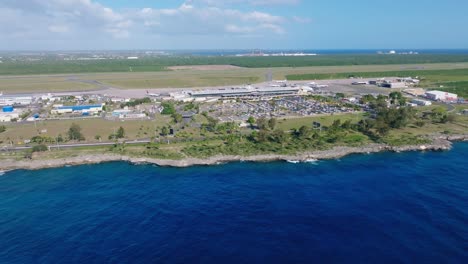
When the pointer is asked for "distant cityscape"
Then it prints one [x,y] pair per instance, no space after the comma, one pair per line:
[12,56]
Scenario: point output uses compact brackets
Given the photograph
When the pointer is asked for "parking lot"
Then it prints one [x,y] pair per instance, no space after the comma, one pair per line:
[281,107]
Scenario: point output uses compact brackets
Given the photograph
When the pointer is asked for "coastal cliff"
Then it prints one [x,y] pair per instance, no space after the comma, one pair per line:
[439,143]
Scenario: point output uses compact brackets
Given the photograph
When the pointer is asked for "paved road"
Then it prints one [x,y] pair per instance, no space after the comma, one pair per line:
[78,145]
[450,107]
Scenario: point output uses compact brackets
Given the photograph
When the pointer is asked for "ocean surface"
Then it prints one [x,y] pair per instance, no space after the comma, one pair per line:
[317,51]
[378,208]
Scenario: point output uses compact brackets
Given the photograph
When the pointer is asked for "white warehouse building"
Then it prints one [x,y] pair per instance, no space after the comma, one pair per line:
[421,102]
[441,96]
[22,100]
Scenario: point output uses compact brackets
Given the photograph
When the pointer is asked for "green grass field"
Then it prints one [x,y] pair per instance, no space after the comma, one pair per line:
[161,63]
[325,120]
[90,128]
[202,78]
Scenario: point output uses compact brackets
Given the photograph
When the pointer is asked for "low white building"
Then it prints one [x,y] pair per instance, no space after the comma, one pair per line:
[441,96]
[350,99]
[119,100]
[7,117]
[127,114]
[22,100]
[394,85]
[421,102]
[85,109]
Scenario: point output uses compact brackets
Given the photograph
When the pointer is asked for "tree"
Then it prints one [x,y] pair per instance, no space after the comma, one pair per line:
[420,123]
[347,124]
[177,117]
[272,123]
[382,128]
[251,122]
[40,148]
[367,99]
[365,125]
[74,133]
[304,132]
[336,124]
[262,136]
[168,108]
[212,123]
[396,98]
[261,123]
[164,131]
[98,137]
[438,113]
[120,133]
[280,136]
[448,118]
[339,95]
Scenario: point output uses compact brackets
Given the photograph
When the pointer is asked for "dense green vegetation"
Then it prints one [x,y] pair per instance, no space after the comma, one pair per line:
[74,133]
[136,102]
[168,108]
[377,128]
[40,148]
[161,63]
[460,87]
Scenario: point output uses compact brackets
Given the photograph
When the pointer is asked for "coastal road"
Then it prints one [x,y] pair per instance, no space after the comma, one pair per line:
[79,145]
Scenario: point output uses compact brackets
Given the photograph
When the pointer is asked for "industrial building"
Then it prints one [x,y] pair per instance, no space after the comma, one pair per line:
[8,116]
[127,114]
[246,92]
[441,96]
[408,80]
[421,102]
[394,85]
[8,113]
[22,100]
[415,91]
[83,109]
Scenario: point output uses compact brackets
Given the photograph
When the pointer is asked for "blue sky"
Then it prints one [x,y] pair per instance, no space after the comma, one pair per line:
[232,24]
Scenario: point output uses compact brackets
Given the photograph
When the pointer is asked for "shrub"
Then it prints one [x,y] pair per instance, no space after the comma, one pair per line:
[40,148]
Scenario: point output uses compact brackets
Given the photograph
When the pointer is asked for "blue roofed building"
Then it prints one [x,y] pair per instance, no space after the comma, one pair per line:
[83,109]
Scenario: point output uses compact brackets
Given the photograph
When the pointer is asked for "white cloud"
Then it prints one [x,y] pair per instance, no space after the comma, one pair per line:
[250,2]
[59,16]
[192,20]
[58,29]
[88,21]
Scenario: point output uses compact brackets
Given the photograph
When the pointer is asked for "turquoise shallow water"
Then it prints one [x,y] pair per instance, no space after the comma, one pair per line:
[379,208]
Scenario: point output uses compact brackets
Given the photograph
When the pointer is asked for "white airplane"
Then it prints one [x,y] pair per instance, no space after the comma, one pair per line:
[321,85]
[152,94]
[314,85]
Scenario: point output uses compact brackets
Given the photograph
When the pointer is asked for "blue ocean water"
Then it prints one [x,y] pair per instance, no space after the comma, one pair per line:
[379,208]
[317,51]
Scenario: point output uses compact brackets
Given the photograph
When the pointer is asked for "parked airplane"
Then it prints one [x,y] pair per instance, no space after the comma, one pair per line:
[152,94]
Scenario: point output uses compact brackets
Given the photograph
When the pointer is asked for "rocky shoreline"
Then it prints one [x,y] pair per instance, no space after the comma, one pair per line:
[439,143]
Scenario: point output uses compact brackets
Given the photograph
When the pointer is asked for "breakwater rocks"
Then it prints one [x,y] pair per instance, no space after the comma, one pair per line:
[439,143]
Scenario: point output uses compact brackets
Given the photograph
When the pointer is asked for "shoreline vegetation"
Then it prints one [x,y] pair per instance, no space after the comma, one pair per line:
[387,125]
[438,143]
